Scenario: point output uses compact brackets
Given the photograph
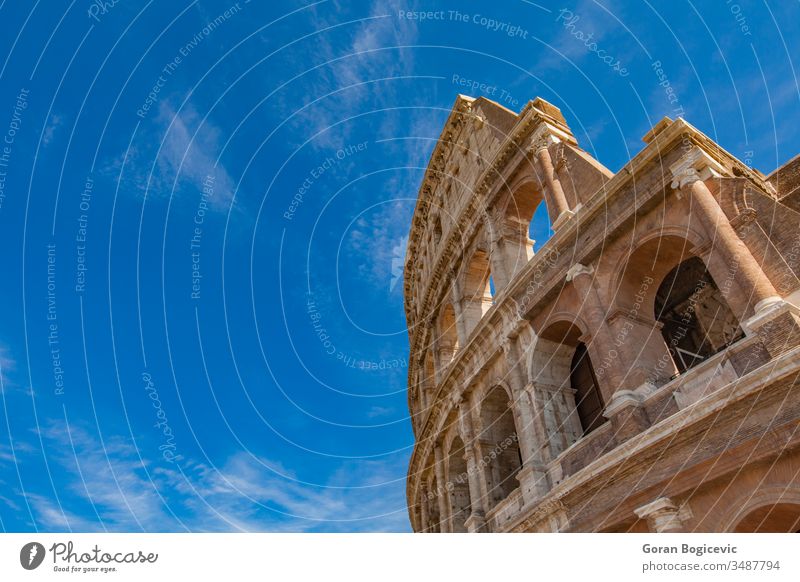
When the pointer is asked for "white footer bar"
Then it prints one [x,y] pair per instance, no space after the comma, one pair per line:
[378,557]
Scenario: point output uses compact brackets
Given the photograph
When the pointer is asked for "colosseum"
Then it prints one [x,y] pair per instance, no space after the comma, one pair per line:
[636,372]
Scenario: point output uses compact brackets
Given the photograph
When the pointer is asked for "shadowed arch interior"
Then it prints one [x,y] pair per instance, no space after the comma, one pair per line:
[588,399]
[697,322]
[565,387]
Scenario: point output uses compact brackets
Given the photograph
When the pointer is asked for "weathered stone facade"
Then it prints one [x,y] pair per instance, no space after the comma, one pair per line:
[639,371]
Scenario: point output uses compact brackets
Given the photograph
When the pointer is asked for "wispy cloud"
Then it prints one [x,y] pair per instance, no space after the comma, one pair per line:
[404,125]
[53,125]
[244,493]
[190,151]
[377,241]
[6,365]
[176,151]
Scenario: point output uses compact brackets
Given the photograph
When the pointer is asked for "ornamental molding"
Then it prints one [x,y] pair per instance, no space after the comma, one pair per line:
[695,165]
[577,270]
[545,136]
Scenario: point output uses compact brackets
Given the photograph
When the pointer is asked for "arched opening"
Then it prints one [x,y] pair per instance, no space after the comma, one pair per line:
[777,518]
[448,336]
[540,230]
[588,399]
[562,376]
[644,354]
[697,321]
[525,227]
[458,487]
[499,445]
[478,289]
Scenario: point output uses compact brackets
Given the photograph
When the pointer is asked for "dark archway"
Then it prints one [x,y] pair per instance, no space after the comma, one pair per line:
[697,321]
[588,399]
[557,369]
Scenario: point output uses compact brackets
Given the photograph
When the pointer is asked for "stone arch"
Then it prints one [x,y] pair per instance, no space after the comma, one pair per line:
[498,443]
[522,221]
[738,199]
[776,518]
[457,488]
[437,229]
[656,253]
[771,509]
[640,347]
[552,370]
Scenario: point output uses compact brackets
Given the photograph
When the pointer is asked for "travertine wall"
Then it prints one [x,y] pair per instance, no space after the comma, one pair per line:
[497,394]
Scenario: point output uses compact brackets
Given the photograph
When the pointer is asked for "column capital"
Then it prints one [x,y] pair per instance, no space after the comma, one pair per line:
[438,452]
[663,515]
[544,136]
[694,165]
[465,422]
[476,522]
[577,270]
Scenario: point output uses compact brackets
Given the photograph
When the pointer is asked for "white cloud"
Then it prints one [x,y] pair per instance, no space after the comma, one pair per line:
[55,123]
[187,147]
[377,241]
[245,493]
[190,151]
[6,365]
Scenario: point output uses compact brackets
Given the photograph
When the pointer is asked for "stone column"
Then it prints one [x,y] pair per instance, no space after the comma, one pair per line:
[497,257]
[511,249]
[533,474]
[662,516]
[476,522]
[553,192]
[447,351]
[474,415]
[441,488]
[457,298]
[423,512]
[614,360]
[612,377]
[689,174]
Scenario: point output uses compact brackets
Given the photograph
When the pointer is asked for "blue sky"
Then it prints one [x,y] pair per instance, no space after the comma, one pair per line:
[203,212]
